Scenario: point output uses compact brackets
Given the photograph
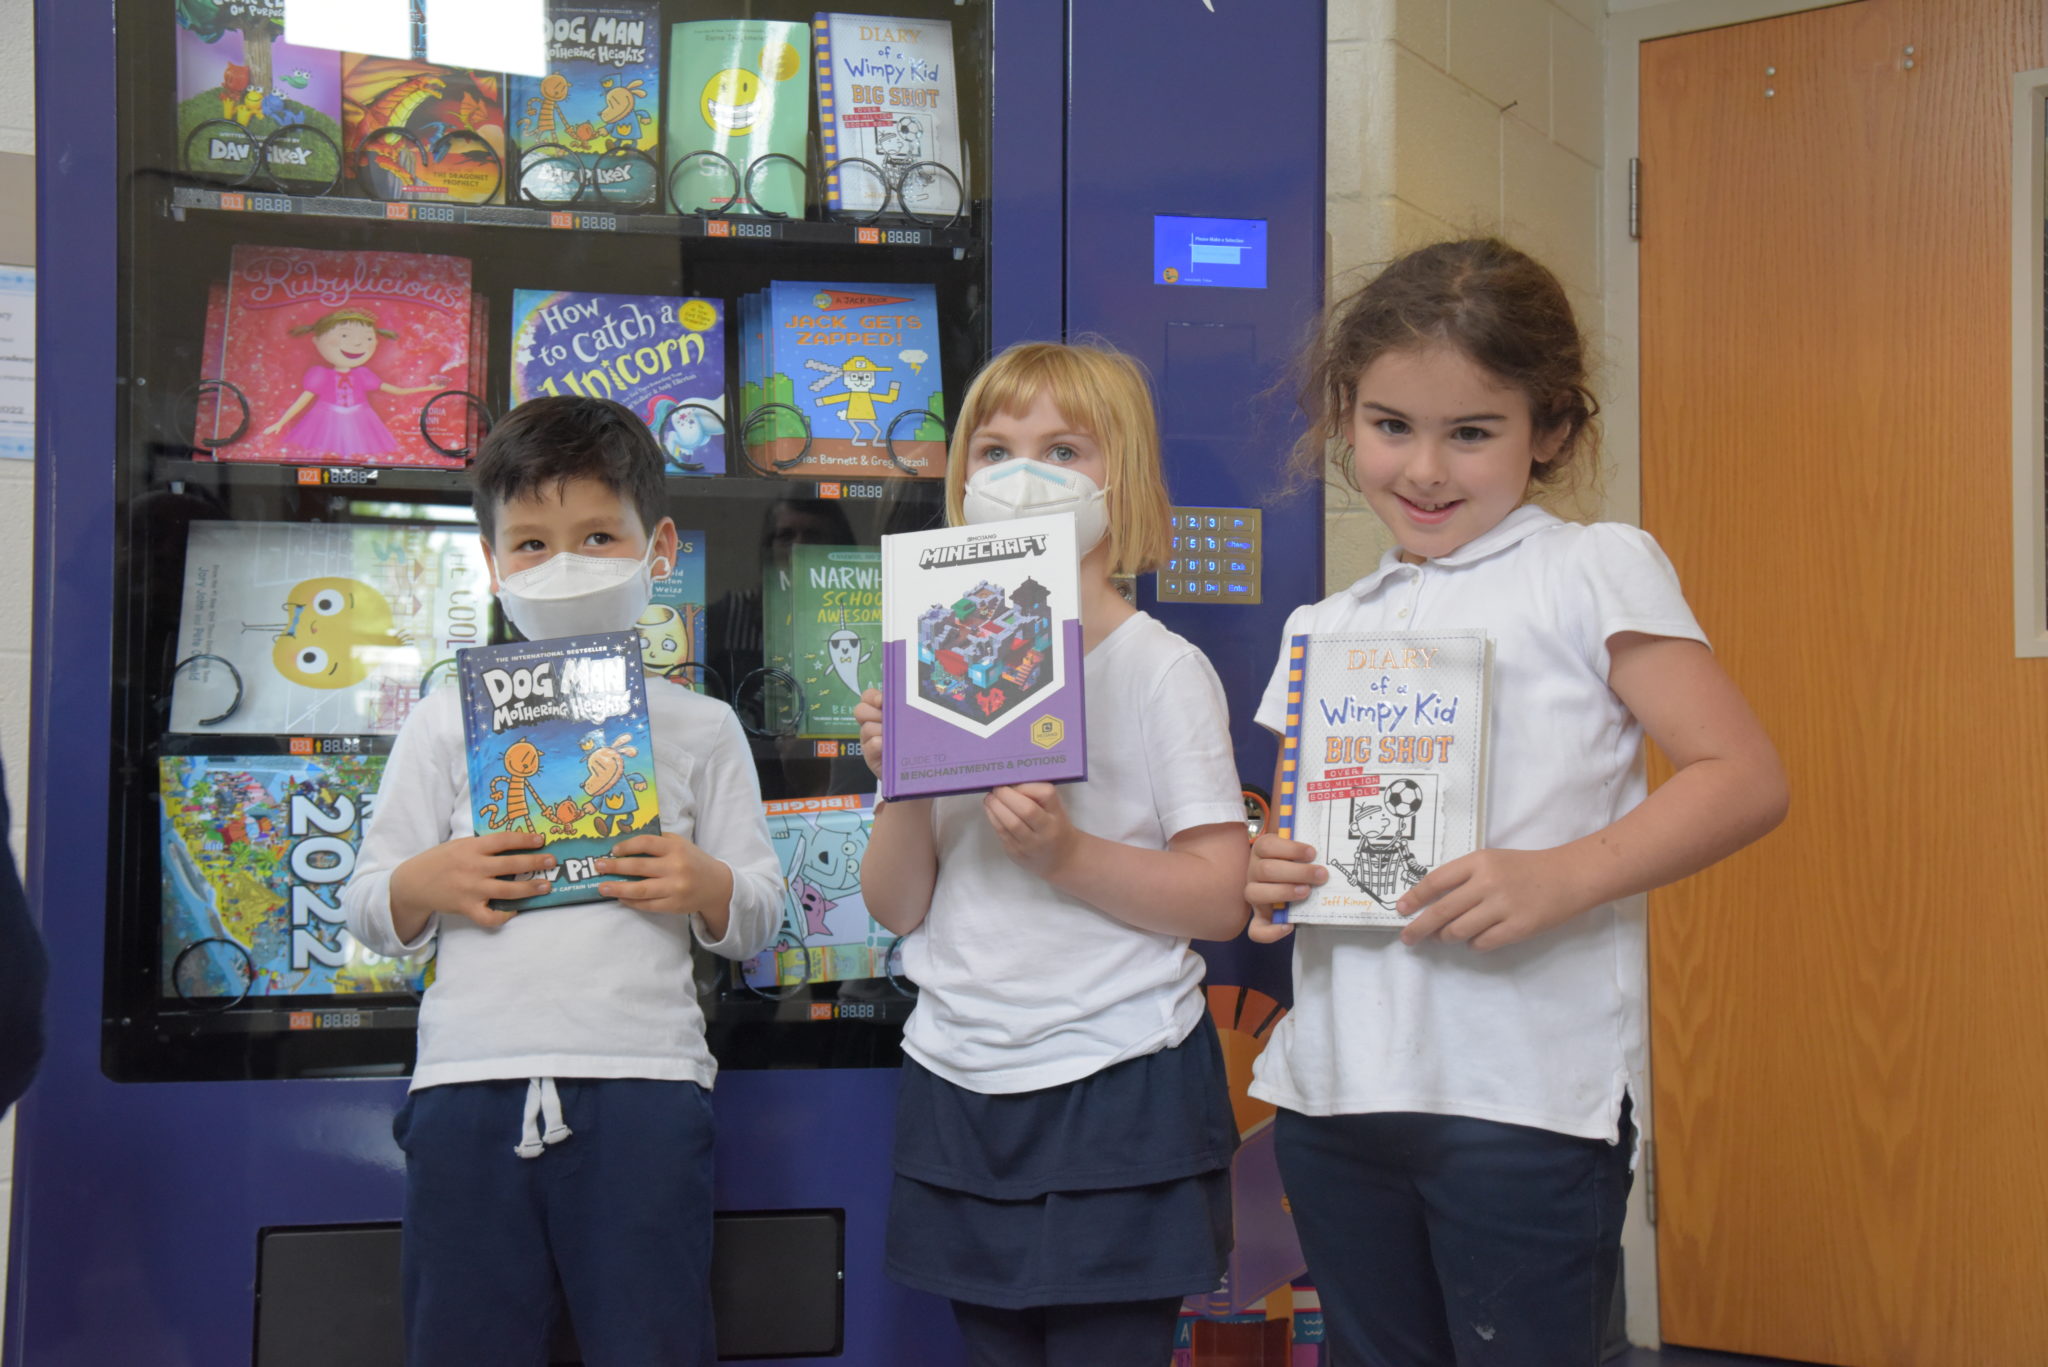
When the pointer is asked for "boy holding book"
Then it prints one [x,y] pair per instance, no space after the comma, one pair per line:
[558,1131]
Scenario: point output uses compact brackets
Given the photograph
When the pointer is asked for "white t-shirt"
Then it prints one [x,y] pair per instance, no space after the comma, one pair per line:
[1021,986]
[589,990]
[1548,1032]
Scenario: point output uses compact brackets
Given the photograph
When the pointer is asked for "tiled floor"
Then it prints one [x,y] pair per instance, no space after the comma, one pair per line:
[1669,1356]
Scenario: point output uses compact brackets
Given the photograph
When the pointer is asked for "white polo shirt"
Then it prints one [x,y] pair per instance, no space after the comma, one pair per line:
[1548,1032]
[1021,986]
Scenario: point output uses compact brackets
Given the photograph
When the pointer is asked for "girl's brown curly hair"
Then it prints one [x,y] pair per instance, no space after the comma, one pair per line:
[1497,305]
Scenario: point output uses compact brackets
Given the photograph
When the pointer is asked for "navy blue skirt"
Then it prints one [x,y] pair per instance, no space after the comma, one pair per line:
[1114,1187]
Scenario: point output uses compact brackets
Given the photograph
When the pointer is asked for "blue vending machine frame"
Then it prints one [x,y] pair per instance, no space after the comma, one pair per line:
[138,1206]
[1223,122]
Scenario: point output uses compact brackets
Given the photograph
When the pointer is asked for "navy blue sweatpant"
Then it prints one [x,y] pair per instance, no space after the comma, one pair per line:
[1436,1239]
[616,1217]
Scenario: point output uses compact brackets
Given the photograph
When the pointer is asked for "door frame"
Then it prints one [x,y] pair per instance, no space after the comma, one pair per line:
[1630,24]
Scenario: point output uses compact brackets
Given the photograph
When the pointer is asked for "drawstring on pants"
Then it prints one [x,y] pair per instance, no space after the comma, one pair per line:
[541,1101]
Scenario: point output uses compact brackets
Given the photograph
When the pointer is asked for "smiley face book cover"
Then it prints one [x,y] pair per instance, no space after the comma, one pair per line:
[319,628]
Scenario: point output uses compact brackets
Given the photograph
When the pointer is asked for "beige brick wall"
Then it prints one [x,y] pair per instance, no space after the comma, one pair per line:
[1450,118]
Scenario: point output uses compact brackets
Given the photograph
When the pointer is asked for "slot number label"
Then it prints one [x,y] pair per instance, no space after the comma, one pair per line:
[893,237]
[326,1020]
[845,1011]
[239,202]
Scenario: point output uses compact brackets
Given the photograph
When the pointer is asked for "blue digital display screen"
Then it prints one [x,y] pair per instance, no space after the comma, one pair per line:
[1230,252]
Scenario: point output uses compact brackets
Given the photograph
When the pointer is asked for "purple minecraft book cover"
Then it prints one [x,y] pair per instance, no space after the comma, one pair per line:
[981,658]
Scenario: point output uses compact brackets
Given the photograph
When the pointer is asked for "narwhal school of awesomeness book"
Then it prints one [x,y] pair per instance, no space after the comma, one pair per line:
[1382,765]
[981,658]
[559,745]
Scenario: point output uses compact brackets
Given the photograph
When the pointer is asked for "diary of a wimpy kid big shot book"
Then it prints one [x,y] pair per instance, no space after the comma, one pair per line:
[1382,765]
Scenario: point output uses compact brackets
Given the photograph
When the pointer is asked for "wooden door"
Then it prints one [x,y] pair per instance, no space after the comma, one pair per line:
[1851,1020]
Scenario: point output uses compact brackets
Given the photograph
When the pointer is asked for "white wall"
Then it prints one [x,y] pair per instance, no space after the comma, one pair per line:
[17,494]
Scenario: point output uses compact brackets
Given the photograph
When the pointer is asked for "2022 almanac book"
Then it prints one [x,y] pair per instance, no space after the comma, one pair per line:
[559,745]
[1382,765]
[981,658]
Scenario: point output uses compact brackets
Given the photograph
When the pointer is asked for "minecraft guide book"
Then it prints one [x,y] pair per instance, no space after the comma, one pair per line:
[981,658]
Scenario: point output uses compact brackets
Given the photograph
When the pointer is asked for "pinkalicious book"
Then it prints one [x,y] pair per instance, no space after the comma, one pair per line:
[672,628]
[237,66]
[835,633]
[256,849]
[860,363]
[415,132]
[659,355]
[887,97]
[216,414]
[559,745]
[1382,765]
[738,88]
[336,355]
[320,628]
[981,658]
[591,126]
[826,933]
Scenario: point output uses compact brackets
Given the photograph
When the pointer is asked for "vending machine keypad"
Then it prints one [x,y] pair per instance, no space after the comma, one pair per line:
[1215,557]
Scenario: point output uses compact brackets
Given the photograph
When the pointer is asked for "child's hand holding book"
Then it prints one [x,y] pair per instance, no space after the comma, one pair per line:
[1281,874]
[667,874]
[463,877]
[1032,823]
[868,712]
[1493,898]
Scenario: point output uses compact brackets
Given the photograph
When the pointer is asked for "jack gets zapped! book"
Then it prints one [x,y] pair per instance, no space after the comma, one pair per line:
[1382,765]
[981,658]
[559,745]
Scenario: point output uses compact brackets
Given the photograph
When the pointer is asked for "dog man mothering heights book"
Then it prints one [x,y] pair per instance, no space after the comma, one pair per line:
[559,744]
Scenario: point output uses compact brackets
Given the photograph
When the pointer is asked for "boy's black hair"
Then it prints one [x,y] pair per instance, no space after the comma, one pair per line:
[545,443]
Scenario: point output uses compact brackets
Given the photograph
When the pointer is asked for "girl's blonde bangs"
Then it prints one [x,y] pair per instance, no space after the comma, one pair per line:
[1101,392]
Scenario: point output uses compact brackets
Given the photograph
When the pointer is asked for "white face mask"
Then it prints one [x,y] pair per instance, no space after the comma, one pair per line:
[573,595]
[1034,488]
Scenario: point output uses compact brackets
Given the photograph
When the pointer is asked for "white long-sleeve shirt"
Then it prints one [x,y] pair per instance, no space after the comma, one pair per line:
[592,990]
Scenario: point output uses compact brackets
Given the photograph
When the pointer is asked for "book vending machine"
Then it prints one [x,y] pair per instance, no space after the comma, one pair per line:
[293,270]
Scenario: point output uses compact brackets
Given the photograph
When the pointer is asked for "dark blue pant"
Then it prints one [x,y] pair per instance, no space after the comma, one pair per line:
[1437,1239]
[616,1218]
[1114,1334]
